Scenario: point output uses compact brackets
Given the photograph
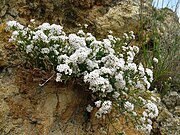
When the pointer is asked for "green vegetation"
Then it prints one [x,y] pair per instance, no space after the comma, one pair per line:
[159,38]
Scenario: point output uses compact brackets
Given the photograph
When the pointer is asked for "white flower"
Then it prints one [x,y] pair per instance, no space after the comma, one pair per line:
[108,46]
[106,107]
[56,52]
[105,70]
[143,119]
[125,36]
[99,84]
[14,36]
[146,82]
[132,67]
[80,55]
[149,127]
[155,60]
[15,33]
[92,75]
[112,61]
[64,68]
[111,38]
[92,64]
[98,114]
[44,26]
[81,32]
[110,32]
[63,38]
[134,113]
[129,106]
[89,108]
[142,99]
[57,29]
[116,95]
[145,128]
[63,59]
[11,24]
[140,85]
[149,121]
[141,70]
[29,48]
[153,98]
[98,103]
[120,82]
[130,57]
[32,20]
[136,49]
[96,44]
[145,114]
[45,50]
[39,35]
[53,38]
[150,74]
[58,77]
[76,41]
[90,37]
[152,110]
[85,25]
[107,43]
[132,34]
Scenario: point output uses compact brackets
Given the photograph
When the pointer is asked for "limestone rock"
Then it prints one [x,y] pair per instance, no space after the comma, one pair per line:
[101,16]
[164,114]
[170,126]
[49,110]
[83,3]
[2,4]
[13,12]
[118,18]
[3,60]
[3,11]
[6,90]
[172,99]
[177,111]
[8,18]
[3,51]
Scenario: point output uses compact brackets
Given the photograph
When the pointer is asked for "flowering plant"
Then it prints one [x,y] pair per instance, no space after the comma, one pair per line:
[108,66]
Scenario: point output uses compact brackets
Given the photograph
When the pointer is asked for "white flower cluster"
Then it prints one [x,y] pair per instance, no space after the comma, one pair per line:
[110,74]
[15,24]
[150,112]
[105,108]
[129,106]
[155,60]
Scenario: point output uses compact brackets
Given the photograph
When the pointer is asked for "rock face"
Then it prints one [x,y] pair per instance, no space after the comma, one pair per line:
[101,16]
[55,109]
[170,118]
[172,100]
[32,113]
[169,122]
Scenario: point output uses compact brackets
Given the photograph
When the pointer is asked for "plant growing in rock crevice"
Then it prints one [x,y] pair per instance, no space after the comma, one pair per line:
[158,35]
[107,66]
